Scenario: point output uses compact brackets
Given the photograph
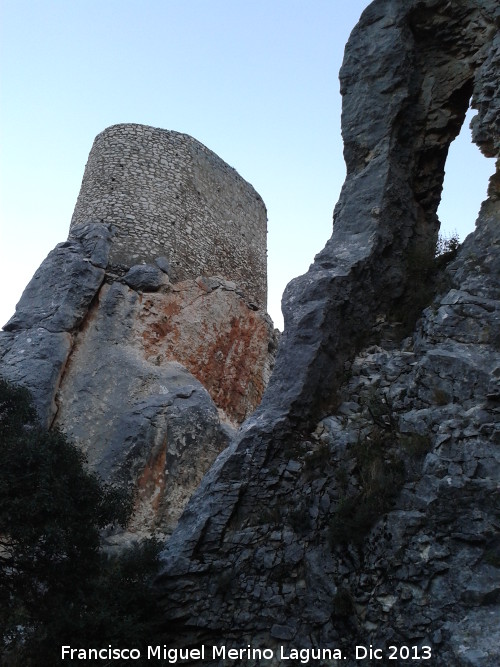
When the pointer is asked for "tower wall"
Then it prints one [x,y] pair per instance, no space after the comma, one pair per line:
[166,194]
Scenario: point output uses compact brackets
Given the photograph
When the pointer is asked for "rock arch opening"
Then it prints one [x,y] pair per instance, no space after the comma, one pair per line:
[404,103]
[467,172]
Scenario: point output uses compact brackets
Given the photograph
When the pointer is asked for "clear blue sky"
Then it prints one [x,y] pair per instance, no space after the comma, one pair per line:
[254,80]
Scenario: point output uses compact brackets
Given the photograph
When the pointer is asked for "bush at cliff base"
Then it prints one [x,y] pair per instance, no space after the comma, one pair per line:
[56,585]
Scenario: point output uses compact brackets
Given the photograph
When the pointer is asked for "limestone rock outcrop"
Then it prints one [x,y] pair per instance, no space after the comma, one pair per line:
[407,77]
[222,340]
[359,504]
[37,340]
[148,375]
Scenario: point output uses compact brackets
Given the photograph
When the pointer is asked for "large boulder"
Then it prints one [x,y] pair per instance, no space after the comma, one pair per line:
[149,378]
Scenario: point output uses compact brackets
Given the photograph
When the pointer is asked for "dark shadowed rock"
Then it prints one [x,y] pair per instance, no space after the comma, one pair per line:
[163,264]
[36,359]
[406,80]
[58,296]
[146,278]
[376,524]
[49,313]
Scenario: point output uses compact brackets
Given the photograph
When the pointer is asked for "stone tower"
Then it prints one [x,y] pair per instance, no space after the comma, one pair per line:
[166,194]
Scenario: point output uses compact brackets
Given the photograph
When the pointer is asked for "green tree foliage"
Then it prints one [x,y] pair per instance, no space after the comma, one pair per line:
[56,584]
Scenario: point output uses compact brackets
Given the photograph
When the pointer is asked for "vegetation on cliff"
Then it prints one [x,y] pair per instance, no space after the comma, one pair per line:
[57,586]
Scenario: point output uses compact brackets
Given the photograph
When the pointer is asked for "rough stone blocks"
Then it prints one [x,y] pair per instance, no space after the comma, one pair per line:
[166,194]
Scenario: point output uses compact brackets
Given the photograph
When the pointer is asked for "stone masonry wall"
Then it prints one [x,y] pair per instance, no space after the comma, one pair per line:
[166,194]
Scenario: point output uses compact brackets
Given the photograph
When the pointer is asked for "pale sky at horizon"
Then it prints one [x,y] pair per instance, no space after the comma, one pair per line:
[256,81]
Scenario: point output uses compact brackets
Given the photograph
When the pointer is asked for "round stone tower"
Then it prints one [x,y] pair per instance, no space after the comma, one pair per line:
[166,194]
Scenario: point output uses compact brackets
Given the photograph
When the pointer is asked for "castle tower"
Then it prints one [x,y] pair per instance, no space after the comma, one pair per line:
[166,194]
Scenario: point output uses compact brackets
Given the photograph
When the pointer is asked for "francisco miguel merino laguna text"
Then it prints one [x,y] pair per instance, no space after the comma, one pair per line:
[303,655]
[174,655]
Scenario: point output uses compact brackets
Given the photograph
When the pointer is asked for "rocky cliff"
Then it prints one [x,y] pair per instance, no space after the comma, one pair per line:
[148,375]
[359,505]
